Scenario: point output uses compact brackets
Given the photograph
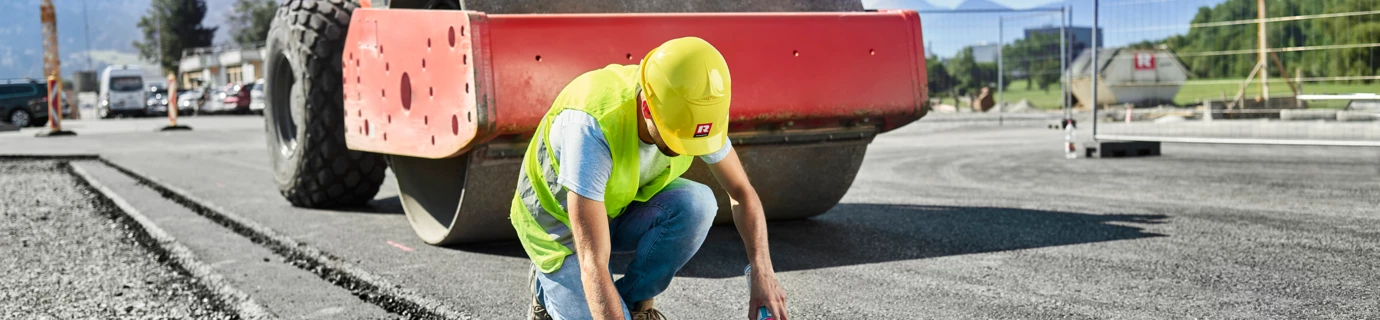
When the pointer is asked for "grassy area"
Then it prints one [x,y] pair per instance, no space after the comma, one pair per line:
[1041,99]
[1196,90]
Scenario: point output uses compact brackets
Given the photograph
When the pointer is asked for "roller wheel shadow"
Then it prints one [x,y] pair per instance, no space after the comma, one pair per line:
[385,205]
[854,234]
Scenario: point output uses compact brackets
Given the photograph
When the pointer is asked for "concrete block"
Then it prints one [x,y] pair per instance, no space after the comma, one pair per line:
[1121,149]
[7,127]
[1358,115]
[1307,114]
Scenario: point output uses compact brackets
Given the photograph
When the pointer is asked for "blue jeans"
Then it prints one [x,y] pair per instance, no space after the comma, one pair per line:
[663,233]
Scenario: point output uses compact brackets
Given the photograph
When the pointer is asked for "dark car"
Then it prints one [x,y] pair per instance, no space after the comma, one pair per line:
[24,102]
[158,101]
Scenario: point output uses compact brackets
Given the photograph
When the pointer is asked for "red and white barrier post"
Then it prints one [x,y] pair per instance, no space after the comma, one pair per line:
[172,107]
[54,111]
[1128,113]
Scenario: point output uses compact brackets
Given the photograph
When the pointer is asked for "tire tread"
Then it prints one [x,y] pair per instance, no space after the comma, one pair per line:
[327,173]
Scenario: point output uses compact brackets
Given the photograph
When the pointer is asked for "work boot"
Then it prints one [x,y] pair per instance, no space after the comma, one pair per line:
[643,310]
[538,311]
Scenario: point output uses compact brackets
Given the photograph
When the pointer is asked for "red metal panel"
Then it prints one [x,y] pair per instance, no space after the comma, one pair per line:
[785,66]
[800,69]
[409,82]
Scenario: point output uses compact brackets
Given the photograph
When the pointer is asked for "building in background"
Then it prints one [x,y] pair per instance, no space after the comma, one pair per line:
[220,65]
[985,52]
[1079,38]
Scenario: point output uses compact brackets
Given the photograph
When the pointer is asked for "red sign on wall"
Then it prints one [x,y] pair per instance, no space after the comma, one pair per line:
[1145,61]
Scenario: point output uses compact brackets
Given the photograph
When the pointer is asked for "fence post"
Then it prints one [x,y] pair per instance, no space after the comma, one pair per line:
[1095,67]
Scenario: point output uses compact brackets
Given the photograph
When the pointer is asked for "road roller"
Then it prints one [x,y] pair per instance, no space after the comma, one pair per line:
[447,94]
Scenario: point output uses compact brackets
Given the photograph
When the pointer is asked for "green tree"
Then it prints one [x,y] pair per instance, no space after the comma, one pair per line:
[249,21]
[1334,31]
[1036,55]
[964,70]
[938,76]
[170,26]
[970,75]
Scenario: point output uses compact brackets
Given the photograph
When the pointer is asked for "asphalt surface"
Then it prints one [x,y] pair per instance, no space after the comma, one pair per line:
[273,287]
[947,219]
[67,256]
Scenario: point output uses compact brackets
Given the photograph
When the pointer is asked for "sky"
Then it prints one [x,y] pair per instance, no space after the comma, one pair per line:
[108,35]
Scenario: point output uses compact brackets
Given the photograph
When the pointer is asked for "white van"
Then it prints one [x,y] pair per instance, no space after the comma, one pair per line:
[122,91]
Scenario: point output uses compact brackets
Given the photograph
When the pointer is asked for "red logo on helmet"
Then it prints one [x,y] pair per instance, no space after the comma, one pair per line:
[702,130]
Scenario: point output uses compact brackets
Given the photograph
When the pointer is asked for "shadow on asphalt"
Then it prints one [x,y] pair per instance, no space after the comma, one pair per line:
[389,205]
[854,234]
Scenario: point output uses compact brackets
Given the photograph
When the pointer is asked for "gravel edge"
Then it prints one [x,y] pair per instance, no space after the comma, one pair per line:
[152,236]
[363,284]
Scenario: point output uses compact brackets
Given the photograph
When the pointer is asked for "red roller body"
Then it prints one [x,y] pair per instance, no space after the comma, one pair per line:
[435,84]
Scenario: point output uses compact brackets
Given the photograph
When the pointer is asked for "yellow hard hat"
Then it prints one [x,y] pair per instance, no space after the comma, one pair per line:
[687,87]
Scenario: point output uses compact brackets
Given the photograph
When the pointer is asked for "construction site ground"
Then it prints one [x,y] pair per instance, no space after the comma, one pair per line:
[951,217]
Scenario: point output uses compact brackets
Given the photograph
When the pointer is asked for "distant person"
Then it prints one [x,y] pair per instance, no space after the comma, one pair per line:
[602,175]
[201,100]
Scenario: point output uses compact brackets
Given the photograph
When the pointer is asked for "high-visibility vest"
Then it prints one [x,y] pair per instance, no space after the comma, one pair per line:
[610,96]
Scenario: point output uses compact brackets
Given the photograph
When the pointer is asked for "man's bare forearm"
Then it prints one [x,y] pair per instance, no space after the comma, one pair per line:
[747,209]
[751,222]
[589,225]
[752,225]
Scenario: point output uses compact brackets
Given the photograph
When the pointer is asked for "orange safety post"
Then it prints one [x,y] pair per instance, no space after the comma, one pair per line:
[54,105]
[172,107]
[54,111]
[172,101]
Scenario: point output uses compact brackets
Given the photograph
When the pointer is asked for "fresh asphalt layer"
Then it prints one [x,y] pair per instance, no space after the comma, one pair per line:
[976,221]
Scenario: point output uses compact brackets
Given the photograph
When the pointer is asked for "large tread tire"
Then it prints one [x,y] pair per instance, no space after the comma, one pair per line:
[304,110]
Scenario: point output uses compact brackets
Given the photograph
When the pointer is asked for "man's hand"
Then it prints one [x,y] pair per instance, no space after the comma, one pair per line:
[767,292]
[752,225]
[590,225]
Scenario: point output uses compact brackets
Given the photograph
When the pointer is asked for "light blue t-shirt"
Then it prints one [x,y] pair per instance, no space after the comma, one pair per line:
[586,161]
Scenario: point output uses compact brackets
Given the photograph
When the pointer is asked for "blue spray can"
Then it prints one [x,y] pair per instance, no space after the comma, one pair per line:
[762,313]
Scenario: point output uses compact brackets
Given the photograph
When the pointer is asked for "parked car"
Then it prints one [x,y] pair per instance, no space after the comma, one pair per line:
[237,98]
[256,97]
[122,92]
[157,102]
[210,102]
[24,102]
[190,101]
